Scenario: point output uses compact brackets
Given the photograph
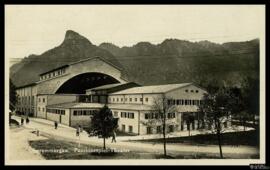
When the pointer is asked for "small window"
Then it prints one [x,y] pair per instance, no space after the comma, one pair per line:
[146,116]
[148,130]
[141,99]
[146,99]
[131,115]
[158,129]
[191,91]
[75,113]
[115,114]
[117,99]
[121,99]
[130,99]
[197,91]
[43,100]
[43,109]
[130,129]
[186,90]
[135,99]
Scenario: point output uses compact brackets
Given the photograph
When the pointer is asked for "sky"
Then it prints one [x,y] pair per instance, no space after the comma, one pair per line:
[34,29]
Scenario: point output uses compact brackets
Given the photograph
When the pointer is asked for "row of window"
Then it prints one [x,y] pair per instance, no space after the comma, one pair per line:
[126,99]
[26,100]
[43,109]
[192,91]
[43,100]
[53,74]
[84,112]
[56,111]
[130,128]
[149,129]
[157,116]
[127,115]
[184,102]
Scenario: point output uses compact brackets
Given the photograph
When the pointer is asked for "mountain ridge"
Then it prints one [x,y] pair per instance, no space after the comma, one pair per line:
[171,61]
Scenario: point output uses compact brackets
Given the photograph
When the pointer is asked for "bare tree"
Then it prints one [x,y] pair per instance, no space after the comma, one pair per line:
[163,114]
[217,108]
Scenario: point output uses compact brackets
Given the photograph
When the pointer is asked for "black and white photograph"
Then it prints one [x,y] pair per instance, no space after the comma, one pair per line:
[135,85]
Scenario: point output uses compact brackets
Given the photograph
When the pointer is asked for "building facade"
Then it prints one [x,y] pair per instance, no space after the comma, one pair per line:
[72,93]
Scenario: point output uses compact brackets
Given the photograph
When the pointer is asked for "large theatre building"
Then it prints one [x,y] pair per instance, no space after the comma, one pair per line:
[70,94]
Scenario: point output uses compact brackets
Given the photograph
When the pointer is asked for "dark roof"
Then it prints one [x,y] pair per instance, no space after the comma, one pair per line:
[64,66]
[26,85]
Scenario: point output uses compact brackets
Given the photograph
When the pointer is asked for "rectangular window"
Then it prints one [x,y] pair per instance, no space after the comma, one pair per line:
[169,102]
[148,130]
[141,99]
[123,128]
[178,102]
[158,129]
[115,114]
[135,99]
[130,129]
[117,99]
[39,100]
[43,109]
[146,99]
[121,99]
[186,102]
[130,99]
[131,115]
[75,113]
[43,100]
[146,115]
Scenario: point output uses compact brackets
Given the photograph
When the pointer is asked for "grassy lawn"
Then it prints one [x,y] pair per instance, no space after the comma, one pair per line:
[69,152]
[250,138]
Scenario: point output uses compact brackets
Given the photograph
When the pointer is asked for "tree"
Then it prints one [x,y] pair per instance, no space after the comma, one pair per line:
[250,94]
[247,100]
[103,124]
[217,108]
[12,96]
[163,112]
